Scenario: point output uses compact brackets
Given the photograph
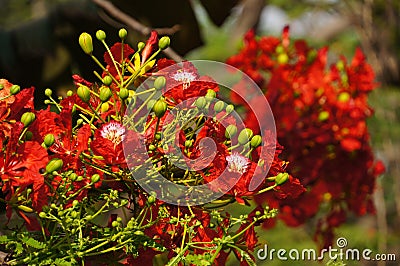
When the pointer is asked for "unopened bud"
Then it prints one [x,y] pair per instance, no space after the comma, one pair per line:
[15,89]
[230,131]
[256,141]
[200,102]
[160,82]
[324,115]
[123,93]
[159,108]
[229,108]
[281,178]
[164,42]
[55,164]
[122,33]
[48,92]
[105,94]
[100,35]
[86,43]
[104,107]
[27,118]
[210,95]
[107,80]
[95,178]
[245,135]
[219,106]
[84,93]
[48,140]
[140,46]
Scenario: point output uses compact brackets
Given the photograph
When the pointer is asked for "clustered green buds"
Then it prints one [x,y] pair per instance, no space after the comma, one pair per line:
[84,93]
[27,118]
[164,42]
[86,43]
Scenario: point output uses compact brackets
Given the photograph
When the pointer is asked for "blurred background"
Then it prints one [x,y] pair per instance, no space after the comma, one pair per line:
[39,47]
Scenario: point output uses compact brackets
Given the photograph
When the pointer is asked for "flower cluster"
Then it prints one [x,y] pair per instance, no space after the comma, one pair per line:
[320,114]
[83,173]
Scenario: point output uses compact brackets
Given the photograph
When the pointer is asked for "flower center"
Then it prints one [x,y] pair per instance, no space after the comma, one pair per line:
[237,163]
[113,132]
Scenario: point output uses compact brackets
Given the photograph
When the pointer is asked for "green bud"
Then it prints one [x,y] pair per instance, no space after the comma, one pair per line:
[140,46]
[25,208]
[48,92]
[152,147]
[104,107]
[219,106]
[256,141]
[344,97]
[73,176]
[95,178]
[42,215]
[122,33]
[84,93]
[158,136]
[150,104]
[159,108]
[107,80]
[28,135]
[70,93]
[105,94]
[48,140]
[100,35]
[340,65]
[200,102]
[86,43]
[258,213]
[27,118]
[245,135]
[229,108]
[79,121]
[160,82]
[281,178]
[55,164]
[114,223]
[139,233]
[79,178]
[230,131]
[283,58]
[15,89]
[210,95]
[188,143]
[151,199]
[324,115]
[164,42]
[123,93]
[75,203]
[279,49]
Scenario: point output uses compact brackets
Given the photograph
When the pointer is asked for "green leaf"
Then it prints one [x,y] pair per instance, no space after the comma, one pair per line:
[33,243]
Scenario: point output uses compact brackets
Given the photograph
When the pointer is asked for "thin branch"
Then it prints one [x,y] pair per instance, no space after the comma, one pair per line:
[137,26]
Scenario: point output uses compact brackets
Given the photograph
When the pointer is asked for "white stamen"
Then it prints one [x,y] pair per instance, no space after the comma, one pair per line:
[114,132]
[184,77]
[237,163]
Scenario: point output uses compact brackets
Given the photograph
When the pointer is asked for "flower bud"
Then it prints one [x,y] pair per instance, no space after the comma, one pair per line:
[70,93]
[15,89]
[123,93]
[27,118]
[151,200]
[55,164]
[150,104]
[107,80]
[245,135]
[25,208]
[48,92]
[104,107]
[28,135]
[48,140]
[122,33]
[324,115]
[344,97]
[229,108]
[159,108]
[83,93]
[105,94]
[140,46]
[256,141]
[219,106]
[160,82]
[95,178]
[281,178]
[100,35]
[283,58]
[164,42]
[230,131]
[86,43]
[200,102]
[210,95]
